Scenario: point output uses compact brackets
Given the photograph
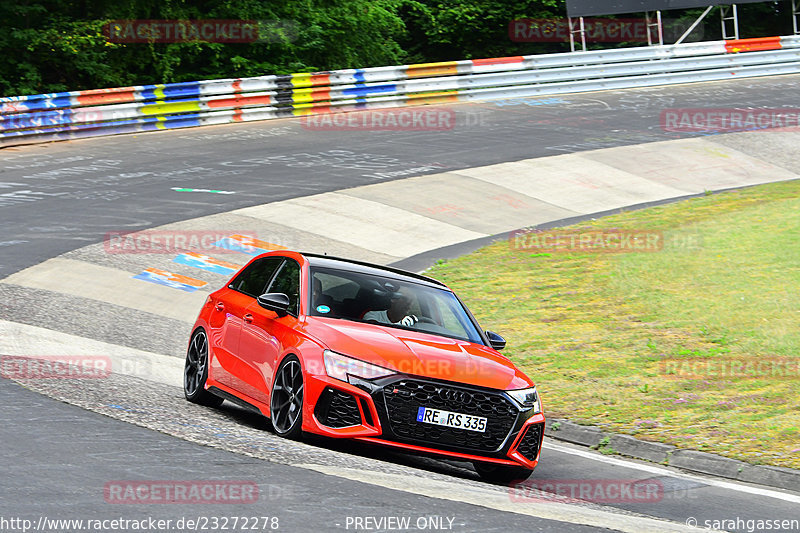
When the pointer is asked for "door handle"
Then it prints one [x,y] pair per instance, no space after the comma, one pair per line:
[219,306]
[248,318]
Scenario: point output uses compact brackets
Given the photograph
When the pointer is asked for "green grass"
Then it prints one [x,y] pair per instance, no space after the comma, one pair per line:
[594,330]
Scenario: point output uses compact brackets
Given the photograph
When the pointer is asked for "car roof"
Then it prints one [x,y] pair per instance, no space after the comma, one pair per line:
[351,265]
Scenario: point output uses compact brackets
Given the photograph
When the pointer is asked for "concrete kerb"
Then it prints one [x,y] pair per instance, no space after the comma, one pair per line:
[666,454]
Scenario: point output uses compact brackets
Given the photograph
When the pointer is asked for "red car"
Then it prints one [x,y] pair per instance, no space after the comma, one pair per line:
[353,350]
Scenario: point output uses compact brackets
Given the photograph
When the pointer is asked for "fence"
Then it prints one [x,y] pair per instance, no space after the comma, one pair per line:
[77,114]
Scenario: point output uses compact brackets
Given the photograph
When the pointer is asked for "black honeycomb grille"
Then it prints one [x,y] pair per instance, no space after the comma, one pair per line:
[529,445]
[404,398]
[337,409]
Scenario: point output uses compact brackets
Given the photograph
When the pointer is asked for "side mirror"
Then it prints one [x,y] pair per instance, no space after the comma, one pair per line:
[275,301]
[495,341]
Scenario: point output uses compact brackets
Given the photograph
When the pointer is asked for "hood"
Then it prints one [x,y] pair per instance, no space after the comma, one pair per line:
[418,354]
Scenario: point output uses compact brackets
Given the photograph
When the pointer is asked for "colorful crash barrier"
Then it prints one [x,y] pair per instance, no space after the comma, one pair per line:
[77,114]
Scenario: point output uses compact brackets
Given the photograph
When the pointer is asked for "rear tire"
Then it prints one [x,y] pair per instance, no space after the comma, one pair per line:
[494,473]
[195,372]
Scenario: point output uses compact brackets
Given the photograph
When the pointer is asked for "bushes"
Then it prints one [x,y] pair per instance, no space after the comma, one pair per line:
[50,46]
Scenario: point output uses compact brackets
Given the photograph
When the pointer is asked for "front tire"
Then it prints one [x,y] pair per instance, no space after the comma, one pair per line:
[494,473]
[286,400]
[195,372]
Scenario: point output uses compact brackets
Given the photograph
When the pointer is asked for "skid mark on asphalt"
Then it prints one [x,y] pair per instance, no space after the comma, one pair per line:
[573,514]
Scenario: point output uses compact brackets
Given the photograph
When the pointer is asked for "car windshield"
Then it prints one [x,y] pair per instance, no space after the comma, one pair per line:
[390,302]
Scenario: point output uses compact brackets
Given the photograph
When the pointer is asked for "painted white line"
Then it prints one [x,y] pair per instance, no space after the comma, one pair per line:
[32,341]
[493,499]
[549,444]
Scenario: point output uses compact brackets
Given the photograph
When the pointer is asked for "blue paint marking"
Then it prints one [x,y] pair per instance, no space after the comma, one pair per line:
[189,88]
[230,244]
[364,91]
[420,414]
[161,280]
[184,259]
[359,76]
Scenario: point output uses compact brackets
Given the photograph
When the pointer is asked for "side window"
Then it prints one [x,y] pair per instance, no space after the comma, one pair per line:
[253,280]
[287,281]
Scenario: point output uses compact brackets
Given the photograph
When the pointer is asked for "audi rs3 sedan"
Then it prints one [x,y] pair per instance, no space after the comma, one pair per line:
[348,349]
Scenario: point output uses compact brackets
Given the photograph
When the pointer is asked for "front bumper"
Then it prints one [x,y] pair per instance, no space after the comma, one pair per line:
[383,411]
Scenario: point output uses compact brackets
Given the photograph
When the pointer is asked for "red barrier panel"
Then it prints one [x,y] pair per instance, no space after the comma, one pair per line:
[753,45]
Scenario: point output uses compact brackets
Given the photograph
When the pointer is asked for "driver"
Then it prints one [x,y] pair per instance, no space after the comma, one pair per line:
[397,312]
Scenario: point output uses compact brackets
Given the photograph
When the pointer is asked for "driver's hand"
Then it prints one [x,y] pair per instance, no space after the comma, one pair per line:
[409,320]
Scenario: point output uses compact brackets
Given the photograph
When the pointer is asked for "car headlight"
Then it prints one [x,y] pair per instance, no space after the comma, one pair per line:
[340,367]
[526,398]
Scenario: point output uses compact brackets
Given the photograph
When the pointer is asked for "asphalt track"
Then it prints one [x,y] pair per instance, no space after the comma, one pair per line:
[60,197]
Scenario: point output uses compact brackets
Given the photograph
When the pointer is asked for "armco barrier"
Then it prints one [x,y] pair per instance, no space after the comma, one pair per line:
[69,115]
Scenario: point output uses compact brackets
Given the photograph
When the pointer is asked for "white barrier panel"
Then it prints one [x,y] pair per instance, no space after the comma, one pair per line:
[47,117]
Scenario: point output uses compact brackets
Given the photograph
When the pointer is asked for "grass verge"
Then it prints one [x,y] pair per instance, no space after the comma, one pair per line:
[696,345]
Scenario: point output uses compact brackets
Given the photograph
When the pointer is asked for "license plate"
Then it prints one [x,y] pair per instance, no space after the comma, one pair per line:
[450,419]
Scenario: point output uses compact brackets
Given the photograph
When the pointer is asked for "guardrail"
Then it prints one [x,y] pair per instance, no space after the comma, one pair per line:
[77,114]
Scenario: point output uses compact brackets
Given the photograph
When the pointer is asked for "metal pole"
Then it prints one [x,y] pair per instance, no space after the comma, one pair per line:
[572,37]
[583,35]
[573,31]
[696,22]
[657,24]
[660,29]
[722,10]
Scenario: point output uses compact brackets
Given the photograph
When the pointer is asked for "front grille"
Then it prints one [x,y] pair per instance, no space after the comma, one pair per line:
[404,398]
[337,409]
[529,445]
